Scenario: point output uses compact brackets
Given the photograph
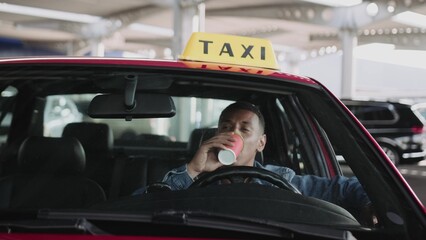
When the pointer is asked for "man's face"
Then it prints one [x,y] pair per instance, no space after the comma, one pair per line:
[247,124]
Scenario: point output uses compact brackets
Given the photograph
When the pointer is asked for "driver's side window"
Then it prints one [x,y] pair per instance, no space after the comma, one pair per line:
[293,152]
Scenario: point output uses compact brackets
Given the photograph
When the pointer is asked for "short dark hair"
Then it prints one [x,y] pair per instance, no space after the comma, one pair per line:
[241,105]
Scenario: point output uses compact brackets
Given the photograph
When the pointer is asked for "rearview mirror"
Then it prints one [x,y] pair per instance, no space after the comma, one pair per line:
[145,106]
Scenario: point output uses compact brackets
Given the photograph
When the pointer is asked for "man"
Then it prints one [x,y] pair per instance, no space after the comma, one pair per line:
[246,120]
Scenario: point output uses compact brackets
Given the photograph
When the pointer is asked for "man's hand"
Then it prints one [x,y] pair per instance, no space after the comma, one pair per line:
[205,159]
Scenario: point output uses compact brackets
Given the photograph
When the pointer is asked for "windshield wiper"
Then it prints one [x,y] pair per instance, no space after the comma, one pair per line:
[262,227]
[226,223]
[192,219]
[89,220]
[79,225]
[110,223]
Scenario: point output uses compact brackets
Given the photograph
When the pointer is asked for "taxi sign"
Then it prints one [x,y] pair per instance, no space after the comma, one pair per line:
[228,49]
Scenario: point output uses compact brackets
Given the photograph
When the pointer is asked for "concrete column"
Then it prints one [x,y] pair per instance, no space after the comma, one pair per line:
[97,48]
[293,62]
[206,112]
[349,41]
[188,17]
[69,47]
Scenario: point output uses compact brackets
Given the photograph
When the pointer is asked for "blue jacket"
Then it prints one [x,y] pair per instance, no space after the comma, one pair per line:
[343,191]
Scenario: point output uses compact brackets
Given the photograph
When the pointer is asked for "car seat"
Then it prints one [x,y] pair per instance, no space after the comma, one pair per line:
[50,176]
[97,141]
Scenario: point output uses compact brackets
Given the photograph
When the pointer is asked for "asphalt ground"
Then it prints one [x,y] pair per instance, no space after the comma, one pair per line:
[415,174]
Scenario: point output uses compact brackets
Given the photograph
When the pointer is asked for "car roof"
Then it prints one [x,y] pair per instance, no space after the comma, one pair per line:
[207,66]
[377,101]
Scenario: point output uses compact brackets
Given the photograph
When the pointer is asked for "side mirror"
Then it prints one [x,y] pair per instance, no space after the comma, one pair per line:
[144,106]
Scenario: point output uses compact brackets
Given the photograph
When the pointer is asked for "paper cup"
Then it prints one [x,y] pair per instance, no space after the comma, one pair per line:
[229,155]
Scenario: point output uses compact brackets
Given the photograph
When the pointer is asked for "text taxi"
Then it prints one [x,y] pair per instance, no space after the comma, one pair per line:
[230,54]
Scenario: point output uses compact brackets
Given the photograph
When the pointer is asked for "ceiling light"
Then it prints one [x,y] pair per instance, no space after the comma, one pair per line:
[372,9]
[46,13]
[411,18]
[336,3]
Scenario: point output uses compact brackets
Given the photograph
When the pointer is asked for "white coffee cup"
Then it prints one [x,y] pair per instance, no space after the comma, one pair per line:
[229,155]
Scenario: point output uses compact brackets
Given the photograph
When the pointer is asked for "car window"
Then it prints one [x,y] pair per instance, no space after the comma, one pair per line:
[421,109]
[299,153]
[374,113]
[59,111]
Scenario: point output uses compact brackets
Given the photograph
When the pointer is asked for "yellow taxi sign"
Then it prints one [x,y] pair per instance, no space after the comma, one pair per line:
[236,50]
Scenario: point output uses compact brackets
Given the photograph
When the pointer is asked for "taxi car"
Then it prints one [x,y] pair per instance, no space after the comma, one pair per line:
[135,120]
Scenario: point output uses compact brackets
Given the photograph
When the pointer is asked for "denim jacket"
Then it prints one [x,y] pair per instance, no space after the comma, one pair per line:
[343,191]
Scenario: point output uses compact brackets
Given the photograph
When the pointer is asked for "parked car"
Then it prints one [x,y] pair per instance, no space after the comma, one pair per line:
[398,127]
[138,119]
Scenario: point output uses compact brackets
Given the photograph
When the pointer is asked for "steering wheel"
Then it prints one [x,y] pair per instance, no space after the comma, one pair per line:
[235,173]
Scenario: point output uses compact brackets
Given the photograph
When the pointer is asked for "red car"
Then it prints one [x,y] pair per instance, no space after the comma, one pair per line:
[89,145]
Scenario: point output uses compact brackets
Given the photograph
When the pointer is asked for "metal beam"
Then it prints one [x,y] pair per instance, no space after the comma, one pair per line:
[338,17]
[298,12]
[104,27]
[403,38]
[161,42]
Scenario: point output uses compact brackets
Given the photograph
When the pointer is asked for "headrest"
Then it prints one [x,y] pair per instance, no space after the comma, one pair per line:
[51,155]
[198,136]
[95,137]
